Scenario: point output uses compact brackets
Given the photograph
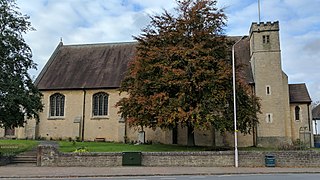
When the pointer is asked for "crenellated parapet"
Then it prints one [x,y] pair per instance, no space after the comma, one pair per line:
[262,26]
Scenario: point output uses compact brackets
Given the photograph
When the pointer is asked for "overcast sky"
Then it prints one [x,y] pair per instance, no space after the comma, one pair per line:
[97,21]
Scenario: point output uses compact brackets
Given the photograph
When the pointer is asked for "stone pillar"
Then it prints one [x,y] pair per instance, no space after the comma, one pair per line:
[47,155]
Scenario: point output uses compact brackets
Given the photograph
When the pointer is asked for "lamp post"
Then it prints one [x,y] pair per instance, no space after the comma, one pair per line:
[235,105]
[259,10]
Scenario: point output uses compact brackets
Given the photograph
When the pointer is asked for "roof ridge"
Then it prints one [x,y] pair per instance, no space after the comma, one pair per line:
[102,44]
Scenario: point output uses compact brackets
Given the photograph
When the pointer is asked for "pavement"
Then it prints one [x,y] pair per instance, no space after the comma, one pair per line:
[68,172]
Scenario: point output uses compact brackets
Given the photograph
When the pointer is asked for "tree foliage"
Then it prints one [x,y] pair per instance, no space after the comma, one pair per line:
[19,98]
[182,73]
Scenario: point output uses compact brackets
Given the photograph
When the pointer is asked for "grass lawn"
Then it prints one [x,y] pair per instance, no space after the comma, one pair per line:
[66,146]
[258,149]
[11,147]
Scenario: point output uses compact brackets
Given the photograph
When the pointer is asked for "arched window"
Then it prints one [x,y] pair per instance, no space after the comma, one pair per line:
[297,113]
[57,104]
[100,104]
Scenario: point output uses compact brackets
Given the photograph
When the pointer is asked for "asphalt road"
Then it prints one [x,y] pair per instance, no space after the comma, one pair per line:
[216,177]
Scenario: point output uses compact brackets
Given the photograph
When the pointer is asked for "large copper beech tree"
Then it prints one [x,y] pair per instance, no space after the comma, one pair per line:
[181,74]
[19,98]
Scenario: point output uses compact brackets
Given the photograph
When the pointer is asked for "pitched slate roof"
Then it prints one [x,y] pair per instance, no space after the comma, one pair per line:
[316,113]
[90,66]
[299,93]
[86,66]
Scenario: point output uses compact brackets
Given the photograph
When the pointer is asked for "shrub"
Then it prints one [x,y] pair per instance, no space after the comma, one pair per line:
[77,138]
[81,150]
[296,145]
[40,138]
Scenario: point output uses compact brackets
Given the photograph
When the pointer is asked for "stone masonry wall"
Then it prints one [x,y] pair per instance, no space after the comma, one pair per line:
[90,159]
[4,160]
[203,159]
[49,156]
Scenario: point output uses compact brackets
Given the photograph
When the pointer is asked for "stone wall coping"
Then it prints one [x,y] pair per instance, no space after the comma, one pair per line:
[195,153]
[188,153]
[90,153]
[47,145]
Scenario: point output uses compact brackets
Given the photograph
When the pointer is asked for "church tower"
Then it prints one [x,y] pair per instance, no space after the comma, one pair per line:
[271,84]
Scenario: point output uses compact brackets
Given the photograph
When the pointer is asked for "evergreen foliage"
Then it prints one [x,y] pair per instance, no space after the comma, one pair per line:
[19,98]
[182,74]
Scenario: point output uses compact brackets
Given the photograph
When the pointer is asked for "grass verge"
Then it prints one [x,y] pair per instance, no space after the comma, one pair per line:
[12,147]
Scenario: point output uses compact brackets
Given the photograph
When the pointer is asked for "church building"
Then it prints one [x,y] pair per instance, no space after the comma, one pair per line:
[80,89]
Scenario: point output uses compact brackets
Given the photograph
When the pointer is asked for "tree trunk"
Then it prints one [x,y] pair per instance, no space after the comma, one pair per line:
[175,135]
[190,136]
[254,135]
[213,137]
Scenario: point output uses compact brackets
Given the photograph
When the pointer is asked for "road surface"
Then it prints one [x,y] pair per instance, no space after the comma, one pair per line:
[215,177]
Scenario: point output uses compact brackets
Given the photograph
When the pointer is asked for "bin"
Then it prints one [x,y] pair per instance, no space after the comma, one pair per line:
[131,159]
[270,160]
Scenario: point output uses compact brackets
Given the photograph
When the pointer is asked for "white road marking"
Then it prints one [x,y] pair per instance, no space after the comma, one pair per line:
[198,177]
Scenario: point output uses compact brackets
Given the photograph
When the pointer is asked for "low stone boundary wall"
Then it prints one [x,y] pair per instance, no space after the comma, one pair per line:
[203,159]
[4,160]
[49,156]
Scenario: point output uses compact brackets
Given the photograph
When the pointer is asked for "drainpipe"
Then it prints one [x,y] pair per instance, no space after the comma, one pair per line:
[125,131]
[309,124]
[255,126]
[309,120]
[83,114]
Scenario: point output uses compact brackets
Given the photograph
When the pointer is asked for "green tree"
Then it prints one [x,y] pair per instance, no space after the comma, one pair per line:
[182,74]
[19,98]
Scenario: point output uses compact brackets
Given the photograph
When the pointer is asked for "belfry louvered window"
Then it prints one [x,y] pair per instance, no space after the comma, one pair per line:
[266,39]
[100,104]
[57,105]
